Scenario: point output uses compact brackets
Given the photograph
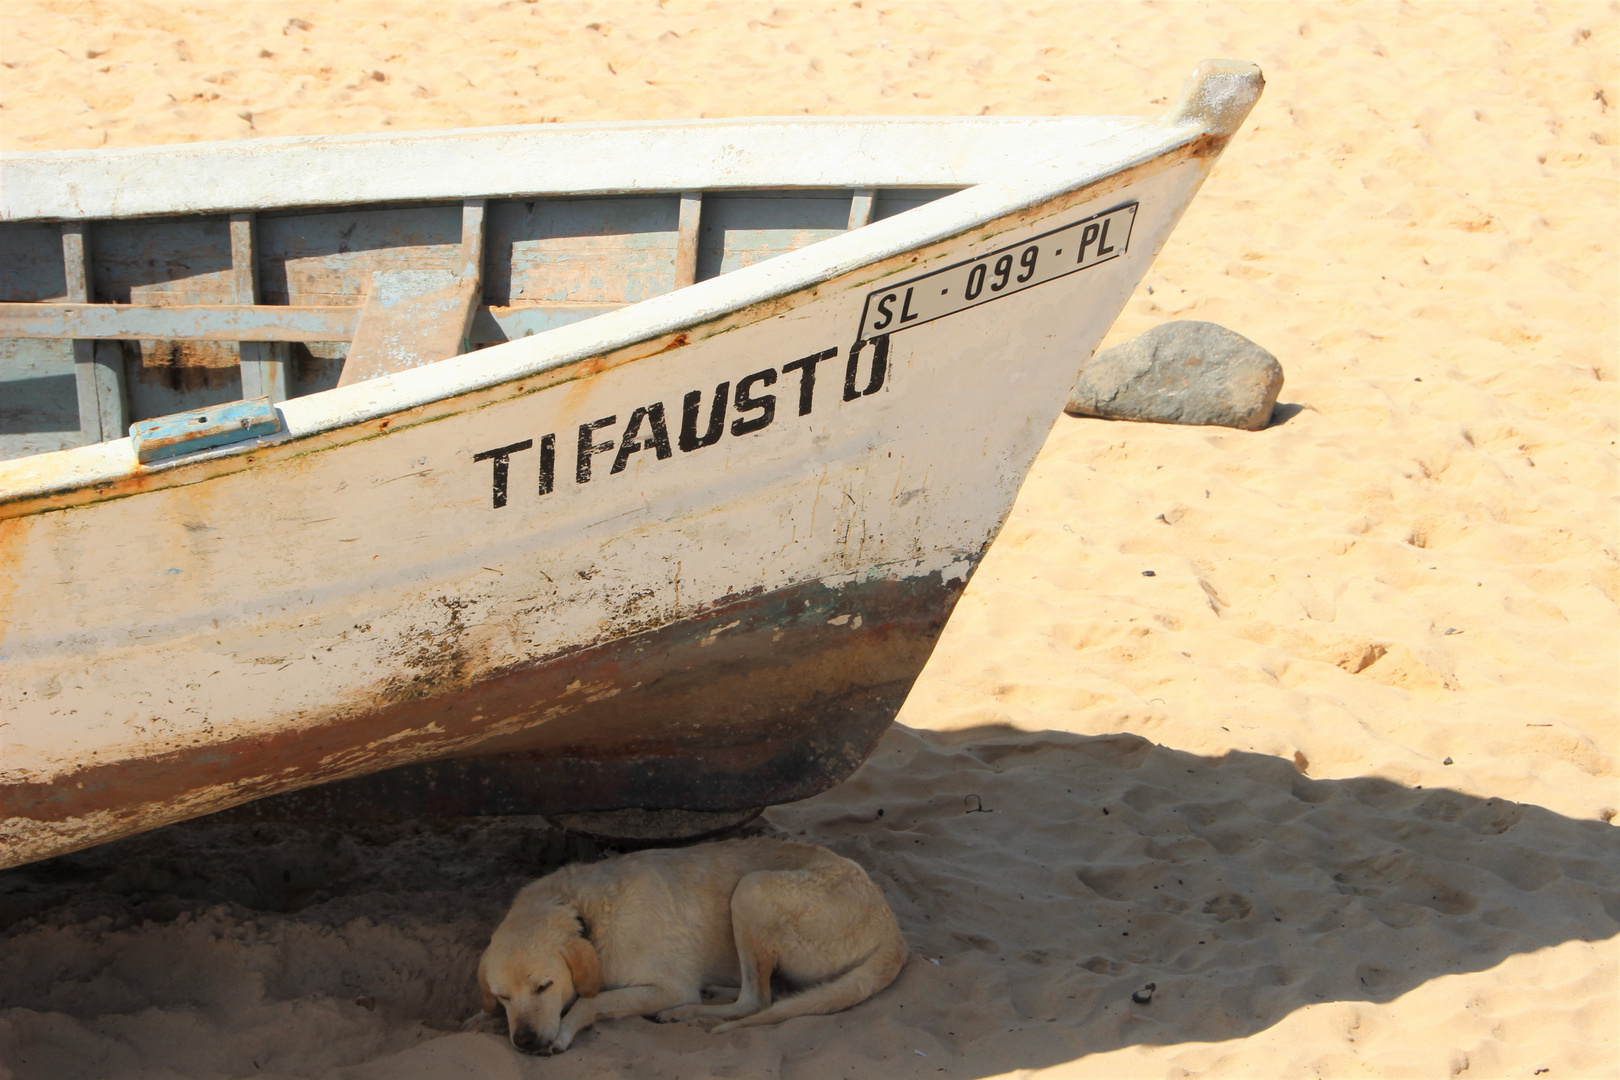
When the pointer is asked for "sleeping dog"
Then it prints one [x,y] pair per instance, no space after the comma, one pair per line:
[646,933]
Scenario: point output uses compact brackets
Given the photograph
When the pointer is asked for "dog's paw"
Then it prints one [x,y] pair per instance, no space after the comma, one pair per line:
[677,1014]
[491,1023]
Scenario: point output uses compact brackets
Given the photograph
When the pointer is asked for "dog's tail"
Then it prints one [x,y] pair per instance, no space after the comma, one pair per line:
[851,988]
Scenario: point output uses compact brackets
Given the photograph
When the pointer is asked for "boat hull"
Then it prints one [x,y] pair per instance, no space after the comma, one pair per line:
[699,569]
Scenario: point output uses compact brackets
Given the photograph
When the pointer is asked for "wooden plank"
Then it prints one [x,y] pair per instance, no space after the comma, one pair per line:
[410,318]
[600,251]
[112,388]
[31,262]
[167,261]
[265,364]
[260,322]
[39,408]
[743,228]
[191,322]
[472,239]
[860,208]
[314,259]
[493,325]
[416,317]
[686,244]
[76,260]
[76,271]
[244,270]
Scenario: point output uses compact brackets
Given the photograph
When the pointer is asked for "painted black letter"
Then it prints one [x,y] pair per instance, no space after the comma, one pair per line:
[1087,236]
[807,380]
[503,461]
[880,367]
[658,440]
[717,419]
[747,403]
[548,463]
[1103,247]
[587,447]
[888,316]
[975,282]
[906,314]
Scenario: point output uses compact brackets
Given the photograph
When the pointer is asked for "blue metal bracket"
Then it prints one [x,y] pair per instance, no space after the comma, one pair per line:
[185,433]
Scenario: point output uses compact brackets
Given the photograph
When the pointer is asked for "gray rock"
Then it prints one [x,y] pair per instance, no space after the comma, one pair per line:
[1181,373]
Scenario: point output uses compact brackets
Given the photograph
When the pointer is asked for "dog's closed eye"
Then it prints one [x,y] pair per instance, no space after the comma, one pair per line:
[543,987]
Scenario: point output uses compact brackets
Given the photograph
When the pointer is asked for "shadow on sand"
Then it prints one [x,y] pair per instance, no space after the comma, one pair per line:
[1240,887]
[1041,878]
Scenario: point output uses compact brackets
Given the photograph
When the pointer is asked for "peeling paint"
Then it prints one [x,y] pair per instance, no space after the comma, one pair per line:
[634,722]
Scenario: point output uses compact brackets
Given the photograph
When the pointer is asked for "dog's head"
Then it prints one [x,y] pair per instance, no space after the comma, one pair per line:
[537,963]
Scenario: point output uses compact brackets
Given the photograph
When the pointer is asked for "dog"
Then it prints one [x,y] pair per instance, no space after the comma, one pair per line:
[644,934]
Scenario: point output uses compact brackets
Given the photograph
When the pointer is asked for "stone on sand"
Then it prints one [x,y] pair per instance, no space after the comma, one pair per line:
[1182,372]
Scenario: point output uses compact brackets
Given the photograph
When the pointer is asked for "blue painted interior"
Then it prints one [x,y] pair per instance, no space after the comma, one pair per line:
[186,433]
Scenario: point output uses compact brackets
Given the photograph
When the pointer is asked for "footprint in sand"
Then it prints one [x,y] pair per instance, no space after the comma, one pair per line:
[1228,906]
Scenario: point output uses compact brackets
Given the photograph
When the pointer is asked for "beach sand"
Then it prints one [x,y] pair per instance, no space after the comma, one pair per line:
[1338,778]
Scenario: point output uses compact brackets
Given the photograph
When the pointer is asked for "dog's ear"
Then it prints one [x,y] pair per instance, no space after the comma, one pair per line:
[492,1004]
[584,967]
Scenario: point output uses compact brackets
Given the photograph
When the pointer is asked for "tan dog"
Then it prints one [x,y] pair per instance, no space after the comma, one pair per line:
[645,934]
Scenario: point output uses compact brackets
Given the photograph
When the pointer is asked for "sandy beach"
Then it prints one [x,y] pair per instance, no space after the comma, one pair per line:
[1339,778]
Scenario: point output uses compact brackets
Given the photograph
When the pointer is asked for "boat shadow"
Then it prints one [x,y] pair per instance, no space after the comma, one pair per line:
[1041,878]
[1044,878]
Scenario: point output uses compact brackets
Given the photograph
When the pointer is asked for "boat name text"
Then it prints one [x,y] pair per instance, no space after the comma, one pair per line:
[648,426]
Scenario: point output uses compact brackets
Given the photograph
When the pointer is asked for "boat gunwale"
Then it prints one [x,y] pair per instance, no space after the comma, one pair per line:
[66,185]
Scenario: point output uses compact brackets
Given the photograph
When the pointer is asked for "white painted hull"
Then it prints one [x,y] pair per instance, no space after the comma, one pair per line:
[330,587]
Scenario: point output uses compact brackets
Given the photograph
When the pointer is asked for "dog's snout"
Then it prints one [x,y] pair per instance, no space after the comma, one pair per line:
[527,1040]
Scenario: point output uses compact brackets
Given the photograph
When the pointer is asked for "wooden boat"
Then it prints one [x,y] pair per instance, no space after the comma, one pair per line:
[535,469]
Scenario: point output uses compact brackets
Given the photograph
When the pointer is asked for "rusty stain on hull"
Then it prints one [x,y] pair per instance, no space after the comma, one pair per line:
[759,700]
